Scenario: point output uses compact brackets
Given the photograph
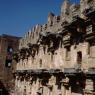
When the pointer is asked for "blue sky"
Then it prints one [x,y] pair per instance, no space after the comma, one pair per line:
[18,16]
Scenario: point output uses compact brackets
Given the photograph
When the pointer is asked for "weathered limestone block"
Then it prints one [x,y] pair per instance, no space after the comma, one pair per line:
[74,10]
[89,87]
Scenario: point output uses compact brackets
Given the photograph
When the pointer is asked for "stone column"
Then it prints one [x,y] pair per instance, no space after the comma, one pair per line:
[28,88]
[63,90]
[45,90]
[20,64]
[52,87]
[68,91]
[66,88]
[35,87]
[16,85]
[19,87]
[31,88]
[24,85]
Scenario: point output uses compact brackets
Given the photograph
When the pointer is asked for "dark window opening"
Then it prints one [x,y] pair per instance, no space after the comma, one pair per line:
[10,49]
[8,63]
[40,62]
[79,57]
[68,53]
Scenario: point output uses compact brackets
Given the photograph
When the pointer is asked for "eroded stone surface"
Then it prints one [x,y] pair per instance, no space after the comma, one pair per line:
[58,58]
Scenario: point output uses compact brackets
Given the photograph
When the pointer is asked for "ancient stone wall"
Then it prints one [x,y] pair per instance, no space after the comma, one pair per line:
[57,58]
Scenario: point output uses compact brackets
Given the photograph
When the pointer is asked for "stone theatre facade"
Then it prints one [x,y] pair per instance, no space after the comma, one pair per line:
[58,58]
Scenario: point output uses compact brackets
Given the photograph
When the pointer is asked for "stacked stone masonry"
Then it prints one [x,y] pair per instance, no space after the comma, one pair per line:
[58,58]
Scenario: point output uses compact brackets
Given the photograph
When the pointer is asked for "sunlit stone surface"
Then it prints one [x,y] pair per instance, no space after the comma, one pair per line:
[58,58]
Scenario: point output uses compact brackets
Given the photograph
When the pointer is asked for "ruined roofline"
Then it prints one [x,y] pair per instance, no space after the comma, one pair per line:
[50,14]
[50,25]
[51,20]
